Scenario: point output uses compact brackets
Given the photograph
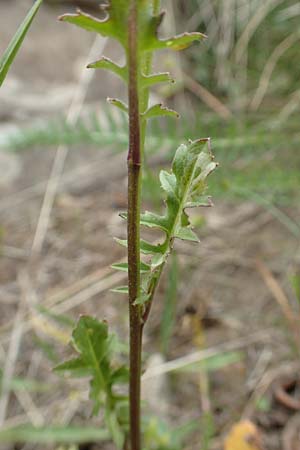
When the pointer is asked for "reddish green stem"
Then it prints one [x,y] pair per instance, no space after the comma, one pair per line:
[134,189]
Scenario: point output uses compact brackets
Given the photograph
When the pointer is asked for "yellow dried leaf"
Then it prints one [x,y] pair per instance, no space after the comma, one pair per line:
[243,436]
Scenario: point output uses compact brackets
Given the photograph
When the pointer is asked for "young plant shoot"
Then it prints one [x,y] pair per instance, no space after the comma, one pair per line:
[134,24]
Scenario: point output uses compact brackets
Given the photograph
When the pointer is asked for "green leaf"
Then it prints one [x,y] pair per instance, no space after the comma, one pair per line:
[152,220]
[123,267]
[76,367]
[89,23]
[95,346]
[120,290]
[115,428]
[204,200]
[120,375]
[122,242]
[10,53]
[142,299]
[169,304]
[295,282]
[184,187]
[114,25]
[159,110]
[168,182]
[118,103]
[186,234]
[149,249]
[108,64]
[52,434]
[156,78]
[180,42]
[158,259]
[91,340]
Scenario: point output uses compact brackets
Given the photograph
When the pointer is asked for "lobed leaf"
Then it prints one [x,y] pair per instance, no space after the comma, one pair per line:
[115,25]
[184,187]
[91,340]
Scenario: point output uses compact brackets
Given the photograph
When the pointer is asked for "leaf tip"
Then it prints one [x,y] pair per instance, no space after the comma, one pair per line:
[65,17]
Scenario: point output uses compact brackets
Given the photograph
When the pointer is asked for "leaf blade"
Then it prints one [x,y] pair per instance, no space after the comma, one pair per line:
[11,52]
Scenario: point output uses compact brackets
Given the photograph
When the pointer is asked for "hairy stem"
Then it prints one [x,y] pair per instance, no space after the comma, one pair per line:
[134,189]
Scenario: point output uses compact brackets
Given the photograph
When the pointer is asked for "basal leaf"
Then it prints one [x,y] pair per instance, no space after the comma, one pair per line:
[91,340]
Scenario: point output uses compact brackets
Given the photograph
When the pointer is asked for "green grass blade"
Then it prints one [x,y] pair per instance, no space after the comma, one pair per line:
[52,434]
[10,53]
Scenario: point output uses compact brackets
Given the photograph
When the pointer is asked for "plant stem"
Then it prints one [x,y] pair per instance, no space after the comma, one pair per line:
[137,132]
[134,200]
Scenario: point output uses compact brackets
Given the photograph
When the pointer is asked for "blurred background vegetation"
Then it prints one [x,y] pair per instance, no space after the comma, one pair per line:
[241,87]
